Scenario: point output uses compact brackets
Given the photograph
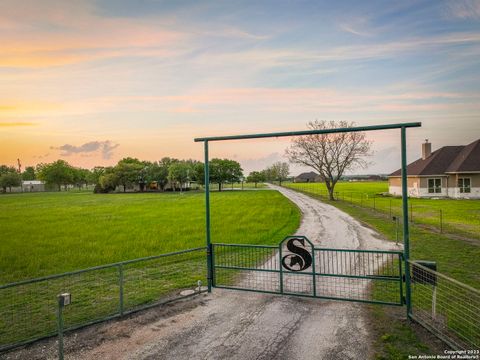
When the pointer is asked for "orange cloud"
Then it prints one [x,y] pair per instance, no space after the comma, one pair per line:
[15,124]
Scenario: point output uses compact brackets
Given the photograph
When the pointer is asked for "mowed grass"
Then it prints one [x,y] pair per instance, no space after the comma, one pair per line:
[456,216]
[49,233]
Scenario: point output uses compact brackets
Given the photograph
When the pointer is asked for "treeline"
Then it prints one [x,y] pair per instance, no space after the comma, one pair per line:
[128,173]
[279,171]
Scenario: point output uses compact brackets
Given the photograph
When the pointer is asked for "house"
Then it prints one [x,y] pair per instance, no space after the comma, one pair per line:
[307,177]
[30,186]
[451,171]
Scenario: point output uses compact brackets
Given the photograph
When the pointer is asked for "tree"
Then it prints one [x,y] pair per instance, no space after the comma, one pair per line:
[157,171]
[107,182]
[331,155]
[280,171]
[9,180]
[95,174]
[224,170]
[58,173]
[81,177]
[29,173]
[4,169]
[179,172]
[256,177]
[128,172]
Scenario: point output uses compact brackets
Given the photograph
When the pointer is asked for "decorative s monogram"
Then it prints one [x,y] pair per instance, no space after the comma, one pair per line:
[300,260]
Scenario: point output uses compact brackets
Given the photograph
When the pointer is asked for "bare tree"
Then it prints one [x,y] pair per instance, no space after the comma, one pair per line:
[330,154]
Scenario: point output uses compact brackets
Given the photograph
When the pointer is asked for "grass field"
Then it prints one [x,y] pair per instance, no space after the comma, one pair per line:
[461,217]
[51,233]
[48,233]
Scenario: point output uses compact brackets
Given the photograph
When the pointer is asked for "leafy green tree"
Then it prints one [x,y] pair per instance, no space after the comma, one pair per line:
[224,170]
[58,173]
[256,177]
[81,177]
[128,172]
[280,171]
[179,173]
[157,171]
[5,169]
[29,173]
[107,182]
[95,174]
[9,180]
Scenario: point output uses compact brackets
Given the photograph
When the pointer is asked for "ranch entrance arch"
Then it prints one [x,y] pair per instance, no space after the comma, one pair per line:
[296,267]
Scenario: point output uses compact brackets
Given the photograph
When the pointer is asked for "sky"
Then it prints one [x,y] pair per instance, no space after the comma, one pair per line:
[92,82]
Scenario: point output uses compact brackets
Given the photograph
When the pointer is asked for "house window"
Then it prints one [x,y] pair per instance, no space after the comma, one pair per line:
[464,185]
[434,186]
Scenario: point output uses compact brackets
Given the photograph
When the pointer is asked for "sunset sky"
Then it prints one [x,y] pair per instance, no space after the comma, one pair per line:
[94,81]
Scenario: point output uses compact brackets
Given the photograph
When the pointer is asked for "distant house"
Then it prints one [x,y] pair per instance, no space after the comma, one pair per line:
[30,186]
[307,177]
[451,171]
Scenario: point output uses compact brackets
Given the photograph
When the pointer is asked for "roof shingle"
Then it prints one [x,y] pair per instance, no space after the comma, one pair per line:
[446,159]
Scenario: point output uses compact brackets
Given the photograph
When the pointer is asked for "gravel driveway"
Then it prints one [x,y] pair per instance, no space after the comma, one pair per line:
[241,325]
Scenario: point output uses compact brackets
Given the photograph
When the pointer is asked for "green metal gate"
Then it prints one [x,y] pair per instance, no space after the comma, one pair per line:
[317,274]
[296,267]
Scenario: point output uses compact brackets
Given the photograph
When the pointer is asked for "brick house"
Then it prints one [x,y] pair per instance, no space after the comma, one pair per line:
[451,171]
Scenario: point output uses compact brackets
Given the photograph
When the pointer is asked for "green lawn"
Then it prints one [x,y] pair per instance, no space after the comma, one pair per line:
[48,233]
[460,217]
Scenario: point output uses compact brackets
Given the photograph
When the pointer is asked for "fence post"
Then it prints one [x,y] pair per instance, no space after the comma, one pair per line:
[406,229]
[120,285]
[60,327]
[62,301]
[374,207]
[441,221]
[207,220]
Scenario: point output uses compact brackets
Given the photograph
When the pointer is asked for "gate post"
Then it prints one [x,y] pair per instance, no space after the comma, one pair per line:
[207,219]
[406,233]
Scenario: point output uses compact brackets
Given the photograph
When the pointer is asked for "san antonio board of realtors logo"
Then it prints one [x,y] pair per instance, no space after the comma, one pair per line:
[299,258]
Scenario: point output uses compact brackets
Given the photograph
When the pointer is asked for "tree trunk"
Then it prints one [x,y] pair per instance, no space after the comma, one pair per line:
[219,186]
[330,189]
[255,184]
[124,188]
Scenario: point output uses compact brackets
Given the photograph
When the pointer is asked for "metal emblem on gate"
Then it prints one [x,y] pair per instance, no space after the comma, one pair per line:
[300,258]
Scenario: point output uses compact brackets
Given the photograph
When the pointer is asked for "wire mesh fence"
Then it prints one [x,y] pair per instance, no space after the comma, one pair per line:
[338,274]
[448,308]
[28,308]
[458,217]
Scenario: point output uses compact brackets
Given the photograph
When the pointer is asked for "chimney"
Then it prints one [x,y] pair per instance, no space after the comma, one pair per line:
[426,149]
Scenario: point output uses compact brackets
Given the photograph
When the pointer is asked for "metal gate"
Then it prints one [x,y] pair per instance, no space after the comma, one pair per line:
[235,268]
[296,267]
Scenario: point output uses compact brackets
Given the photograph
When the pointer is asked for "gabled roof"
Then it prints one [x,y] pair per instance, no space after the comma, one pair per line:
[308,175]
[448,159]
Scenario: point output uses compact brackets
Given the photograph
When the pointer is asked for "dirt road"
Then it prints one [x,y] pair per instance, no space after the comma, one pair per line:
[240,325]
